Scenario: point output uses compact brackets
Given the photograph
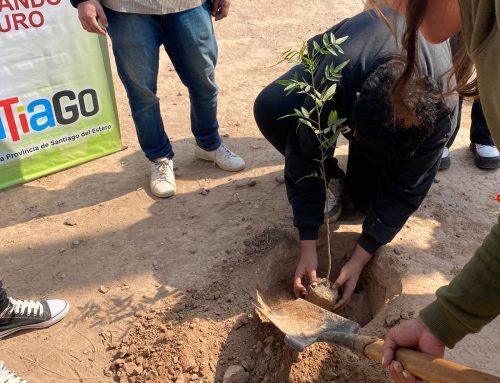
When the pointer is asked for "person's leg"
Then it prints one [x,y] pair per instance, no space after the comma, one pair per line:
[479,132]
[136,40]
[446,158]
[486,154]
[361,179]
[272,104]
[190,42]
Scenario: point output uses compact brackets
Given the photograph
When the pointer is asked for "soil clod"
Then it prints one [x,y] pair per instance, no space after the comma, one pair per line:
[236,374]
[323,295]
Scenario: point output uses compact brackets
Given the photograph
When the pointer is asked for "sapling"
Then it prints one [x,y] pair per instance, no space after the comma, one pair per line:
[321,90]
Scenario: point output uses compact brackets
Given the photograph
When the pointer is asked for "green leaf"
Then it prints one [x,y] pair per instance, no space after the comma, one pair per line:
[331,50]
[341,40]
[326,43]
[330,92]
[316,46]
[339,67]
[283,82]
[306,122]
[332,118]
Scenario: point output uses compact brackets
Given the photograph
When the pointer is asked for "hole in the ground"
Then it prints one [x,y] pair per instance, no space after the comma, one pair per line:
[380,280]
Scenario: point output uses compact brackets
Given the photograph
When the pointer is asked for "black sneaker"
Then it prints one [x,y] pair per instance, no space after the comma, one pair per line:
[485,156]
[24,315]
[8,377]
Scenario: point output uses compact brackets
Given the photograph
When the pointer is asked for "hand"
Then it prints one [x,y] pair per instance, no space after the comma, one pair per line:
[412,334]
[220,9]
[305,274]
[349,275]
[90,12]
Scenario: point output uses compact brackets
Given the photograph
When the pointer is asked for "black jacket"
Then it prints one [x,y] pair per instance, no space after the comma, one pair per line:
[401,187]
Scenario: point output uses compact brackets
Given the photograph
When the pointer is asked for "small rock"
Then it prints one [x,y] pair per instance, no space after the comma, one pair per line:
[103,289]
[75,243]
[269,340]
[236,374]
[436,180]
[119,361]
[107,372]
[225,135]
[329,375]
[60,276]
[397,251]
[70,222]
[137,370]
[392,318]
[188,365]
[180,379]
[248,364]
[268,351]
[258,347]
[62,250]
[204,191]
[176,360]
[129,368]
[280,179]
[133,349]
[252,182]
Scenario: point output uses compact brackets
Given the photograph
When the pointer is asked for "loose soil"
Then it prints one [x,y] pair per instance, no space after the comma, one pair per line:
[163,290]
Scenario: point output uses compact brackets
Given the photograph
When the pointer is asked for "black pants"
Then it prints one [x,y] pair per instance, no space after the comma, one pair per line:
[271,104]
[479,132]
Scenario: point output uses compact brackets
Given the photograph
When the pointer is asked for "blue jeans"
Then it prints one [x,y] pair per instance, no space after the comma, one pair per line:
[189,40]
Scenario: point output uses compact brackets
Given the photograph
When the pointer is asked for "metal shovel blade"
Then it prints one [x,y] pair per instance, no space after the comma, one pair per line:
[304,323]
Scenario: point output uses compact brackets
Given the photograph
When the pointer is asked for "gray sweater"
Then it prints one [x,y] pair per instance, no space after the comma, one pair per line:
[152,7]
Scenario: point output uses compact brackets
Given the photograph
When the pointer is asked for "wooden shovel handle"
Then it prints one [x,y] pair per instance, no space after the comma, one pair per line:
[424,366]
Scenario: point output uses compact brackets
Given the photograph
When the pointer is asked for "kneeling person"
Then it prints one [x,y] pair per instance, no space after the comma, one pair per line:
[391,165]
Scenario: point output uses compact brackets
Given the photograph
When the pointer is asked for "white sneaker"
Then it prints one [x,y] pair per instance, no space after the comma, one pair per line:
[487,156]
[162,177]
[333,203]
[8,377]
[222,157]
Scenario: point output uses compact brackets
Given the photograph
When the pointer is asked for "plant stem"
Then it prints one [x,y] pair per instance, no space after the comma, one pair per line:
[319,110]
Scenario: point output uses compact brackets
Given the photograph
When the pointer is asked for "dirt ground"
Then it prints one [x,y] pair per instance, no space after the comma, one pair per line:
[178,276]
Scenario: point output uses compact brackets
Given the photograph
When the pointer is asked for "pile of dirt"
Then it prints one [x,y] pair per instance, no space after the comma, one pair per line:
[212,333]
